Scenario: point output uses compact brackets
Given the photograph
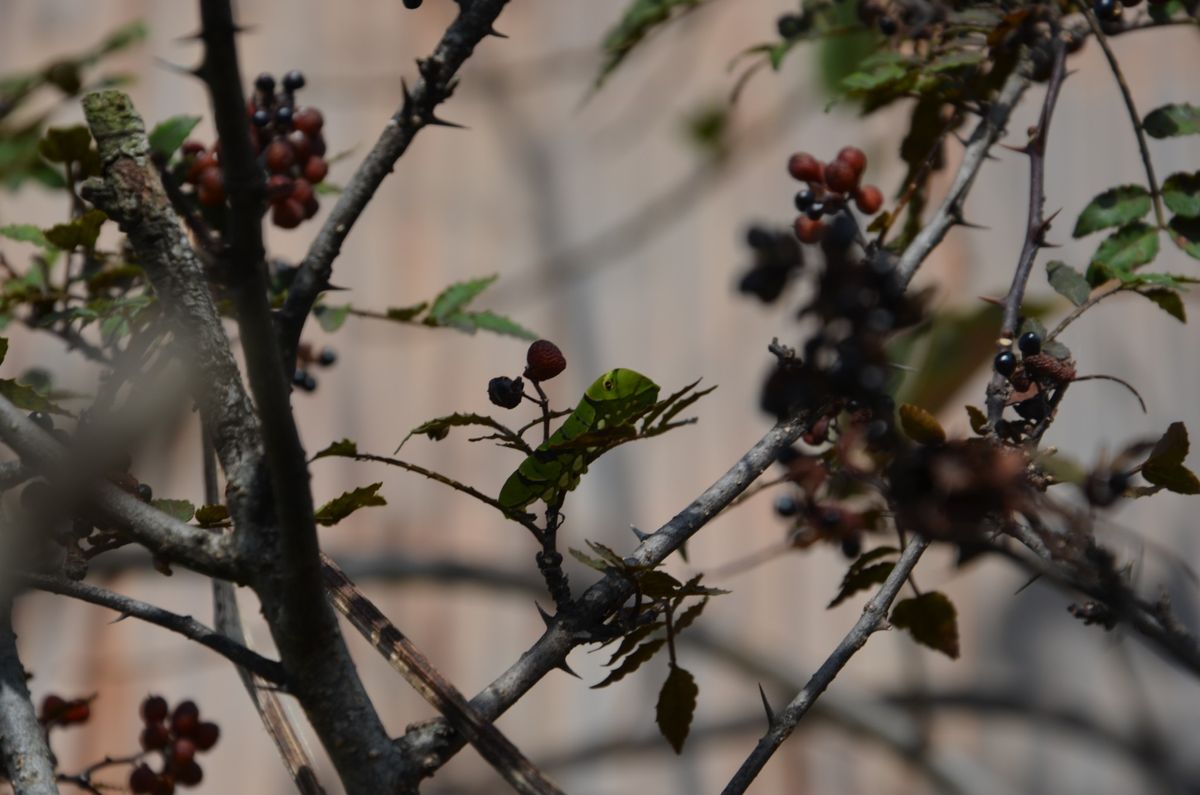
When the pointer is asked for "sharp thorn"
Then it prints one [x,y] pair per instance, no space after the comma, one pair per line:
[766,706]
[640,535]
[177,69]
[1021,150]
[992,301]
[562,666]
[436,122]
[1032,580]
[547,619]
[963,222]
[197,36]
[333,288]
[496,33]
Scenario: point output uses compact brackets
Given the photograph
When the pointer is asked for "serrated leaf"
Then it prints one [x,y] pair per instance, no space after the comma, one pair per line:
[1181,194]
[169,134]
[631,663]
[1169,301]
[439,427]
[65,144]
[632,639]
[932,621]
[490,321]
[1185,233]
[693,588]
[1068,282]
[676,706]
[658,584]
[1164,466]
[181,510]
[978,419]
[25,233]
[588,560]
[1123,251]
[456,297]
[1115,207]
[344,448]
[607,554]
[689,616]
[641,17]
[211,515]
[406,314]
[863,573]
[27,398]
[339,508]
[1172,120]
[921,426]
[955,59]
[331,318]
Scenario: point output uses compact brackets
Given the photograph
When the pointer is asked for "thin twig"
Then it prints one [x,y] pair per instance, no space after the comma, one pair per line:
[1096,297]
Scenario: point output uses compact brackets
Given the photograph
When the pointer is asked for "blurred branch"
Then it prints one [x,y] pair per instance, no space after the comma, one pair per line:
[24,755]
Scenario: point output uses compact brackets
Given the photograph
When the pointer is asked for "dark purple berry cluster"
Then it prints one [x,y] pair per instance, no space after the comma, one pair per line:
[177,736]
[776,256]
[830,188]
[306,358]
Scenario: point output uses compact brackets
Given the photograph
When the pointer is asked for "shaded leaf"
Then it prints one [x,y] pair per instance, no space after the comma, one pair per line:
[1115,207]
[882,76]
[641,17]
[405,314]
[181,510]
[607,554]
[210,515]
[169,134]
[82,231]
[587,560]
[1172,120]
[658,584]
[339,508]
[1164,466]
[632,639]
[1185,233]
[438,428]
[455,297]
[932,621]
[632,662]
[65,144]
[1068,282]
[689,616]
[1121,252]
[490,321]
[27,398]
[676,706]
[1181,194]
[345,448]
[863,573]
[921,426]
[978,419]
[1168,300]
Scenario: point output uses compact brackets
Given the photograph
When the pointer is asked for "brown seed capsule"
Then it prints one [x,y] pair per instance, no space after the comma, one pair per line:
[544,361]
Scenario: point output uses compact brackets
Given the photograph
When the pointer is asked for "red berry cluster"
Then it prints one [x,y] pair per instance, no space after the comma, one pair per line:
[830,187]
[59,711]
[178,736]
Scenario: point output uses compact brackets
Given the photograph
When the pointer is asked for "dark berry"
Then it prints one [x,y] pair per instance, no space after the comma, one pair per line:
[165,785]
[852,547]
[301,145]
[808,230]
[412,4]
[182,752]
[304,380]
[43,420]
[1030,343]
[841,177]
[261,118]
[192,148]
[77,711]
[279,187]
[154,709]
[804,200]
[185,718]
[154,737]
[1005,363]
[869,199]
[202,163]
[544,361]
[144,492]
[283,116]
[806,168]
[327,357]
[787,505]
[815,211]
[189,775]
[293,80]
[790,26]
[265,83]
[279,156]
[287,214]
[206,735]
[315,170]
[143,780]
[853,157]
[757,237]
[52,708]
[1107,10]
[308,121]
[766,283]
[302,191]
[506,392]
[787,455]
[887,26]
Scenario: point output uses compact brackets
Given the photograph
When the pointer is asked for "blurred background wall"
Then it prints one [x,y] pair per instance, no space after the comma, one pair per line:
[613,240]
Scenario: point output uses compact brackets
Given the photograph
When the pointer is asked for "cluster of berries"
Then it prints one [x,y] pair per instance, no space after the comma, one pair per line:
[830,188]
[1031,377]
[1110,10]
[178,736]
[776,256]
[306,358]
[290,146]
[543,361]
[59,711]
[874,13]
[814,519]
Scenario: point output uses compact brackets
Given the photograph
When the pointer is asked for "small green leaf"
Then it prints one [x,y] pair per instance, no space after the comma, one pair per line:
[342,449]
[1185,233]
[1114,207]
[587,560]
[979,420]
[1181,194]
[863,573]
[65,144]
[921,426]
[331,318]
[82,231]
[25,233]
[180,510]
[641,17]
[676,706]
[1123,251]
[456,297]
[1172,120]
[169,134]
[406,314]
[864,82]
[1168,300]
[339,508]
[955,59]
[438,428]
[932,621]
[1068,282]
[490,321]
[1063,468]
[211,515]
[632,662]
[27,398]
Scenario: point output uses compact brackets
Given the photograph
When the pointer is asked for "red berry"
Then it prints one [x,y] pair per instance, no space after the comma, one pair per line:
[308,120]
[77,711]
[52,708]
[806,168]
[840,177]
[808,230]
[279,156]
[301,144]
[317,144]
[185,718]
[189,775]
[302,191]
[287,214]
[206,735]
[191,148]
[544,361]
[853,157]
[869,199]
[315,169]
[211,181]
[202,163]
[143,779]
[279,187]
[182,752]
[154,737]
[165,785]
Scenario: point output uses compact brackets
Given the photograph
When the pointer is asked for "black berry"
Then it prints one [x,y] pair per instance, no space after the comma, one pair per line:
[815,211]
[293,80]
[1107,9]
[304,380]
[790,26]
[412,3]
[265,83]
[144,492]
[887,26]
[506,392]
[327,357]
[261,118]
[787,505]
[804,200]
[1030,343]
[283,116]
[852,547]
[1005,363]
[44,420]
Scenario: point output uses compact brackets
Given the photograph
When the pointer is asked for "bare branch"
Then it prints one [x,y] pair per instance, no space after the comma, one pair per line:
[24,754]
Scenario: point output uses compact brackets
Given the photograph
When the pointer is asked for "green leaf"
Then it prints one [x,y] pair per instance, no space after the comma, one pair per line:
[1181,194]
[82,231]
[27,398]
[1164,467]
[632,662]
[1114,207]
[26,233]
[169,134]
[406,314]
[212,515]
[641,17]
[1123,251]
[587,560]
[932,621]
[343,449]
[1185,233]
[65,144]
[1168,300]
[339,508]
[676,706]
[863,573]
[1172,120]
[490,321]
[180,510]
[456,297]
[921,426]
[864,82]
[1068,282]
[1062,468]
[331,318]
[955,59]
[438,428]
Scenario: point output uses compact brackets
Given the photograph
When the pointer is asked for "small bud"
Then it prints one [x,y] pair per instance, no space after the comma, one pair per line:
[544,361]
[506,392]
